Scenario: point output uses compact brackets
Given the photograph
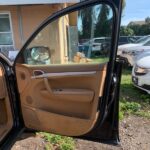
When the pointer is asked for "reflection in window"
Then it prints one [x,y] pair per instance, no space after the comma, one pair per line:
[5,30]
[80,37]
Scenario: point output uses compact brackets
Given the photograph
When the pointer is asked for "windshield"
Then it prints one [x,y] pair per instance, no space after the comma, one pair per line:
[143,39]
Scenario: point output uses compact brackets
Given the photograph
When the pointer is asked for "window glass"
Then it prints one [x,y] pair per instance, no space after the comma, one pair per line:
[4,23]
[147,43]
[99,40]
[5,30]
[6,39]
[143,39]
[69,39]
[123,39]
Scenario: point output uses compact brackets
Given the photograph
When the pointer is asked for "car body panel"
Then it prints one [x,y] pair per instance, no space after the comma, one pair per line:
[142,81]
[132,50]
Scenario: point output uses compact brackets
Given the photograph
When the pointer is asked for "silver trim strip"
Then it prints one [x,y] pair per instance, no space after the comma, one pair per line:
[63,74]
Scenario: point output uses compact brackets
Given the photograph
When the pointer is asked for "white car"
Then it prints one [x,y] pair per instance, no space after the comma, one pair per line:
[129,52]
[95,43]
[141,72]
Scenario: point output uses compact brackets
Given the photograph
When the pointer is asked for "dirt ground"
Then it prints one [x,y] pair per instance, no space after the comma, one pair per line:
[134,135]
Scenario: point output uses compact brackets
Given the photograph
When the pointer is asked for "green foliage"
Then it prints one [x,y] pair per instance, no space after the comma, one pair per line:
[103,23]
[62,142]
[146,98]
[121,115]
[95,22]
[147,20]
[129,107]
[143,114]
[140,29]
[86,23]
[48,147]
[126,31]
[123,4]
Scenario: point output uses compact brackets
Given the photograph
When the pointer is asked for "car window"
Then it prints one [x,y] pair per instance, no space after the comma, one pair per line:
[6,37]
[143,39]
[123,39]
[58,42]
[99,40]
[147,43]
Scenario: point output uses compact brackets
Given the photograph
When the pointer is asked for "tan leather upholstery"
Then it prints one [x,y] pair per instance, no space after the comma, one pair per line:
[2,85]
[64,100]
[6,121]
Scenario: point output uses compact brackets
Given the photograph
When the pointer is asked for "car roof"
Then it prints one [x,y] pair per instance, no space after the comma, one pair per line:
[99,38]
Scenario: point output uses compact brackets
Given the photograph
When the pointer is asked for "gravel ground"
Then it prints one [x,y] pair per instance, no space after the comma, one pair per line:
[134,135]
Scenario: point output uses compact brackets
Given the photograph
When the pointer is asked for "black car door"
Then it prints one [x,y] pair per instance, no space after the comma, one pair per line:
[54,87]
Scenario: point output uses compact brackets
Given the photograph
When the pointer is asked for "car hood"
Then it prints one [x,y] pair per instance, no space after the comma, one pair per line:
[126,46]
[144,62]
[138,48]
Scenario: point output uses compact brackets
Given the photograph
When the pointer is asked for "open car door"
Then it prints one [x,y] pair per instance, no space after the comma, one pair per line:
[64,85]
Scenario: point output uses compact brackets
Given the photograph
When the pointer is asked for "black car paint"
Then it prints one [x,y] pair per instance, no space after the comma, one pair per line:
[18,126]
[106,129]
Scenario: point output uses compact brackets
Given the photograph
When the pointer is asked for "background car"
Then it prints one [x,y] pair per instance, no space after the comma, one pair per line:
[141,72]
[129,52]
[96,44]
[127,39]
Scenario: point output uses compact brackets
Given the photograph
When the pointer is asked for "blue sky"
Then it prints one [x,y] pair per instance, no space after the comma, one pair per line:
[135,10]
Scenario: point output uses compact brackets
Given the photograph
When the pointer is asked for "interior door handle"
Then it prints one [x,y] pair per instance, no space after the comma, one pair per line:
[47,85]
[38,73]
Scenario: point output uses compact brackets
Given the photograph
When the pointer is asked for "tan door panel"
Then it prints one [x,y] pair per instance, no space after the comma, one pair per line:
[2,85]
[76,95]
[60,98]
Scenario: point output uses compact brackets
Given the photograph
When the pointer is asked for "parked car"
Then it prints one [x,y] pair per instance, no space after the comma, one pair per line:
[45,90]
[127,39]
[141,72]
[94,44]
[129,52]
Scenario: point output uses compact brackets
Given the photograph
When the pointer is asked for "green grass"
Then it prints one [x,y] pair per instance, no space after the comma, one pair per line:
[100,59]
[57,141]
[133,100]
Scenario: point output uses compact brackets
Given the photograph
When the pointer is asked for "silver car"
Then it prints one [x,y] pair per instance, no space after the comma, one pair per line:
[129,52]
[141,72]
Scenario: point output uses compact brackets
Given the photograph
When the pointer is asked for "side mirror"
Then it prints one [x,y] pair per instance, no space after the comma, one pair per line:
[37,55]
[40,54]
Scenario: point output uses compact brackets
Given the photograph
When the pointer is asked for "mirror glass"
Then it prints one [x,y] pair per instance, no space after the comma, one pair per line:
[40,54]
[83,36]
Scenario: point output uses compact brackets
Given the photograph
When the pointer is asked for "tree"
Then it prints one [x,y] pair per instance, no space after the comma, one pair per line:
[123,4]
[103,26]
[126,31]
[86,22]
[143,29]
[147,20]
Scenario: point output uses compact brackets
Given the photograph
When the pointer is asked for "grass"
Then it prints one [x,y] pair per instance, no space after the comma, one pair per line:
[132,100]
[57,142]
[100,59]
